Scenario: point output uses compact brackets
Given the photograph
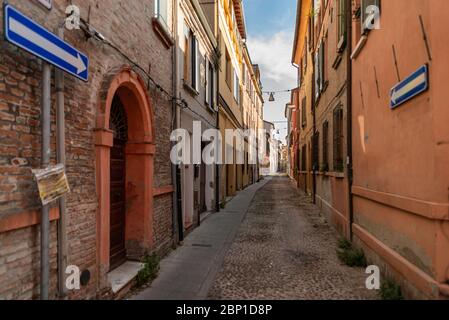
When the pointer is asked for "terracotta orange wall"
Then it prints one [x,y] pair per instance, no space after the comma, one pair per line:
[401,156]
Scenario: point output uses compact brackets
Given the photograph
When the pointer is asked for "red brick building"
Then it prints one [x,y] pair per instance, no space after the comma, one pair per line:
[118,122]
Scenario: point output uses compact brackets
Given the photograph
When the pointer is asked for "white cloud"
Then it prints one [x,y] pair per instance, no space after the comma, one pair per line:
[273,54]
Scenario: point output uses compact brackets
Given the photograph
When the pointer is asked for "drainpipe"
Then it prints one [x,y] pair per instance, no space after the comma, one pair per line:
[45,218]
[217,74]
[313,133]
[217,166]
[349,118]
[295,147]
[61,158]
[178,232]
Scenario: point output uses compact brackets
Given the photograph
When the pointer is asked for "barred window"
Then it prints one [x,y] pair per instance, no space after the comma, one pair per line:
[341,24]
[338,139]
[304,112]
[325,163]
[316,151]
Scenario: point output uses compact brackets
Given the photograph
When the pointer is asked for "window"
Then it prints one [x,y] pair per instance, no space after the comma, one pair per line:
[298,118]
[316,10]
[304,159]
[297,162]
[161,11]
[304,57]
[317,75]
[194,75]
[365,21]
[319,70]
[304,112]
[268,143]
[316,151]
[210,84]
[341,27]
[325,163]
[251,91]
[317,16]
[186,55]
[236,87]
[191,60]
[338,139]
[309,34]
[228,70]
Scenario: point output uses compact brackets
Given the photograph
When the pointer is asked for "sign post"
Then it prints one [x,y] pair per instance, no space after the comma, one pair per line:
[45,218]
[25,33]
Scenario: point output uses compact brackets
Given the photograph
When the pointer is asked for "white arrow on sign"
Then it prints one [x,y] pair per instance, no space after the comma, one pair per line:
[396,94]
[27,33]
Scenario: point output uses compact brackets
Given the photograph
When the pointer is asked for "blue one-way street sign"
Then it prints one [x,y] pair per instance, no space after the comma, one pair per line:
[30,36]
[409,88]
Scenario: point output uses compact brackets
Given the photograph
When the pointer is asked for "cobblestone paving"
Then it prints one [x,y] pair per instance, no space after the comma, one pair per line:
[286,250]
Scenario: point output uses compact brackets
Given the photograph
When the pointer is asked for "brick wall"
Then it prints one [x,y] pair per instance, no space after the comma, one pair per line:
[20,75]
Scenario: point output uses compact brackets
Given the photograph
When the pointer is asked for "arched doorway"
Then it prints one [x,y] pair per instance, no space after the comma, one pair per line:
[124,140]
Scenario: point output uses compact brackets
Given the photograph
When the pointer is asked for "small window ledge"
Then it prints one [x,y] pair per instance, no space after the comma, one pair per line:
[337,175]
[190,89]
[162,32]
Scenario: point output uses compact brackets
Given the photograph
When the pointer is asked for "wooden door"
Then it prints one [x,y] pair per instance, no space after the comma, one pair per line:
[118,186]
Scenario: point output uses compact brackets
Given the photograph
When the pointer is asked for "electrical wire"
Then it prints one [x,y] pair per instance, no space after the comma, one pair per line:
[180,102]
[278,91]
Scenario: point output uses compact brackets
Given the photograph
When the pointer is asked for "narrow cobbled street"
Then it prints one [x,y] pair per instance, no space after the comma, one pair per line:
[285,250]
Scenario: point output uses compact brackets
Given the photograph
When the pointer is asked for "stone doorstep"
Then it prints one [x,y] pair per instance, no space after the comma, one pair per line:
[122,276]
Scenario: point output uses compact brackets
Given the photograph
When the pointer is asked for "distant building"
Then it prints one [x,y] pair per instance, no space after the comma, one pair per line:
[240,102]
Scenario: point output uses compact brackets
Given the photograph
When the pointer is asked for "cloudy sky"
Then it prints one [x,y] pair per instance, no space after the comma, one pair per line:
[271,25]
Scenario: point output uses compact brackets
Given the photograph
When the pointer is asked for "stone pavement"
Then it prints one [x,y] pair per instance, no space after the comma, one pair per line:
[188,272]
[286,250]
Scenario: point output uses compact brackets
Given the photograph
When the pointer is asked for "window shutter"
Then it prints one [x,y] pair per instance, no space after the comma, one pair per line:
[215,89]
[338,139]
[316,150]
[321,66]
[305,58]
[335,138]
[304,112]
[194,62]
[198,63]
[317,75]
[341,24]
[208,81]
[326,144]
[186,58]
